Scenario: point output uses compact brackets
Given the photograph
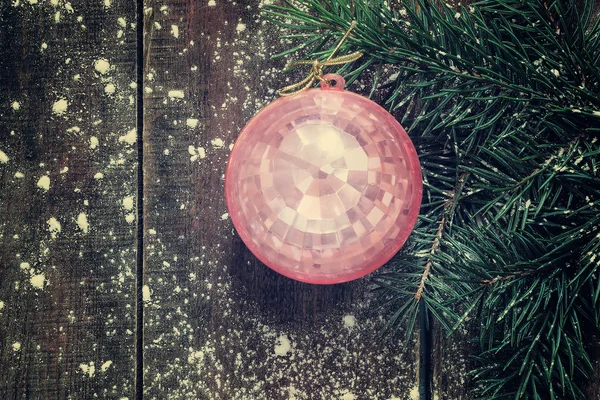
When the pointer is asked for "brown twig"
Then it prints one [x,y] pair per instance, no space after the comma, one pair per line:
[448,210]
[434,247]
[572,144]
[490,282]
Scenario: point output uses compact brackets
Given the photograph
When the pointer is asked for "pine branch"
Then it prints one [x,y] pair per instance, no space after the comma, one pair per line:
[502,98]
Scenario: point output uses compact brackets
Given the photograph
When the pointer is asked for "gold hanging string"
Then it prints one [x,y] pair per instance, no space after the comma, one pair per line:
[316,70]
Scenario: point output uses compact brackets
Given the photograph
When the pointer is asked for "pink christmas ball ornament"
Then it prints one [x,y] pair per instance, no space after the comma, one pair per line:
[324,186]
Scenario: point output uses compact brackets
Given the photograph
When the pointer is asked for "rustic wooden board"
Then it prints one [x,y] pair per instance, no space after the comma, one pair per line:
[450,363]
[593,388]
[67,250]
[217,323]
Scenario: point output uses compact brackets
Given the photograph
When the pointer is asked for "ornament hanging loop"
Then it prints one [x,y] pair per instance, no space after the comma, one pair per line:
[333,82]
[316,70]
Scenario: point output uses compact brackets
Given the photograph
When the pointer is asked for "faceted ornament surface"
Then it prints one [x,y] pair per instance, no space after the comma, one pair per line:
[324,186]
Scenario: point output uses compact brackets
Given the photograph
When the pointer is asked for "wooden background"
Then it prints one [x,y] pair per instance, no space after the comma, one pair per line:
[217,324]
[67,246]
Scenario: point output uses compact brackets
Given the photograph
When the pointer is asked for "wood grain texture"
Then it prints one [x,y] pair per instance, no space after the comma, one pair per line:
[593,388]
[67,253]
[450,363]
[217,323]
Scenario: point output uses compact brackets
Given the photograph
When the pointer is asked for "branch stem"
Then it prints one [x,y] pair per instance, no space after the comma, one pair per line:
[434,247]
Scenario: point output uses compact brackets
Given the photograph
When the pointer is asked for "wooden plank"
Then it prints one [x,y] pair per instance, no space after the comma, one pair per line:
[67,245]
[593,388]
[450,363]
[218,324]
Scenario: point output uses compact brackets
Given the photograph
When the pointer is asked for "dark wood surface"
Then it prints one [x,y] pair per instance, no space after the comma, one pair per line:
[67,304]
[450,363]
[217,323]
[593,389]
